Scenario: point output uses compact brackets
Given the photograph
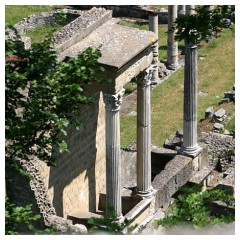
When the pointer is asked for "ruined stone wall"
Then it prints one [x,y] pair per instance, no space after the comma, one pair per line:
[221,149]
[79,177]
[135,11]
[44,19]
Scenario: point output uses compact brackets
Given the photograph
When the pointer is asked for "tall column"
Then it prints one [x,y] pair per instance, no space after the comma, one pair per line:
[153,26]
[113,157]
[181,10]
[190,9]
[144,186]
[172,48]
[190,146]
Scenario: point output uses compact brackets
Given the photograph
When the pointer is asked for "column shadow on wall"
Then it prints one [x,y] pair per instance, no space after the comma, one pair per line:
[77,165]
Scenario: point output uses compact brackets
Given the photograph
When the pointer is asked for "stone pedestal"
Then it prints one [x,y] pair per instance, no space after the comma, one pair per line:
[172,46]
[113,157]
[144,187]
[190,146]
[153,26]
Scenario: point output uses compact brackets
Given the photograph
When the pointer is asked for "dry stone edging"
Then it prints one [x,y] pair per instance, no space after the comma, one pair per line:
[43,201]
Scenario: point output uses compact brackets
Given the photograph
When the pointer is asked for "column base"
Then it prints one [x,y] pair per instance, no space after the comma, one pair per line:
[120,219]
[173,67]
[190,151]
[146,194]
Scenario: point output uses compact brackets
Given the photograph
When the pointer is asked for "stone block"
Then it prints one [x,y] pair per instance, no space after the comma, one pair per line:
[225,100]
[209,113]
[229,94]
[203,156]
[220,113]
[218,126]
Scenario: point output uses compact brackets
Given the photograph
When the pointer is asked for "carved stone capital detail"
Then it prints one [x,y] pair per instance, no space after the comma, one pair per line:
[144,78]
[113,102]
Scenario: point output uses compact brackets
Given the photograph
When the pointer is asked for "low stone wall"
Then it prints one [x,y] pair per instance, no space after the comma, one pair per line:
[221,149]
[135,11]
[176,173]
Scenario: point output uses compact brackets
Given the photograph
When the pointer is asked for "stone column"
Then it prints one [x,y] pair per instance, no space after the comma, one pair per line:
[190,146]
[144,186]
[113,157]
[172,48]
[181,10]
[190,9]
[153,26]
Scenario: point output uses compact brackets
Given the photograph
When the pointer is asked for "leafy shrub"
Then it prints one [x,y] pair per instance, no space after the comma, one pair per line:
[194,207]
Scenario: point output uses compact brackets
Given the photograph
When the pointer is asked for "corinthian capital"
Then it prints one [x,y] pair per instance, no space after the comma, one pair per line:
[144,78]
[113,102]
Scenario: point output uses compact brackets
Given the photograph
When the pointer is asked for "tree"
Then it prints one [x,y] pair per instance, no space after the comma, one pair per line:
[204,23]
[42,97]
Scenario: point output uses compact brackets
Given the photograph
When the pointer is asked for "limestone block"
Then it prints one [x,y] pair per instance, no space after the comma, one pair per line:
[209,113]
[220,113]
[218,126]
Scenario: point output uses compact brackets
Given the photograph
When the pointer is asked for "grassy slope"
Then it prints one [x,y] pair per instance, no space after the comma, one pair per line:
[215,76]
[15,13]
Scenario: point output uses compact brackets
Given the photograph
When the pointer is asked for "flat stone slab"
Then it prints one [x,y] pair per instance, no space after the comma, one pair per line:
[119,44]
[218,126]
[220,113]
[201,175]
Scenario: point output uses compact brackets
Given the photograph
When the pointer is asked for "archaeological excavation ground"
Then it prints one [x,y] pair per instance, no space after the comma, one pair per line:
[160,118]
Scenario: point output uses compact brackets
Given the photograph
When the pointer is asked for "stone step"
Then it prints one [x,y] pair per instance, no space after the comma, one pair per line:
[202,175]
[79,217]
[141,212]
[128,201]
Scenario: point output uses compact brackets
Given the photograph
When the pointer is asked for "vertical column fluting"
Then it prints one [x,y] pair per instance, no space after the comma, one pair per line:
[153,26]
[172,46]
[113,157]
[144,186]
[190,146]
[181,10]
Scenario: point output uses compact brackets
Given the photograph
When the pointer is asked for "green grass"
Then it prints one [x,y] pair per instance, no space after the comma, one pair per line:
[15,13]
[40,32]
[216,75]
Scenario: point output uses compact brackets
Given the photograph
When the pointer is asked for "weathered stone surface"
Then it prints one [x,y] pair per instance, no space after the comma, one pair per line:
[201,175]
[220,147]
[173,141]
[225,100]
[175,174]
[119,44]
[209,113]
[218,126]
[230,95]
[220,113]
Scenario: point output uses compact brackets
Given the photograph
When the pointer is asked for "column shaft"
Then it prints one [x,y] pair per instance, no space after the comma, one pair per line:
[113,157]
[153,26]
[144,186]
[181,10]
[190,9]
[172,49]
[190,146]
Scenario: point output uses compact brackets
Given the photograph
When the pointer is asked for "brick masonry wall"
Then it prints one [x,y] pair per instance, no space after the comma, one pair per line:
[75,184]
